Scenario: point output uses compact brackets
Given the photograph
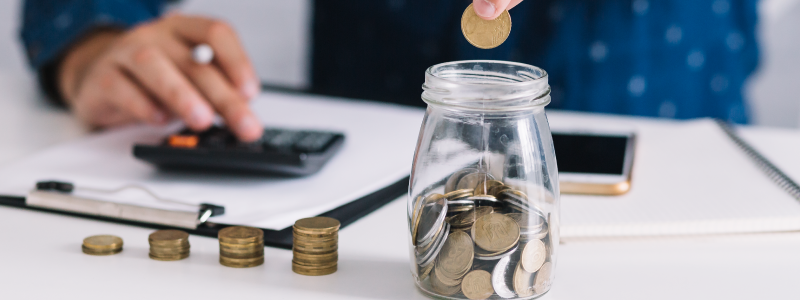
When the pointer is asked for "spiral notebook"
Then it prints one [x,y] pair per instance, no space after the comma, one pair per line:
[689,178]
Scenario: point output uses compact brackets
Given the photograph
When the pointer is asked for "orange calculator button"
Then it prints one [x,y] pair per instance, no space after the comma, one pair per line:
[183,141]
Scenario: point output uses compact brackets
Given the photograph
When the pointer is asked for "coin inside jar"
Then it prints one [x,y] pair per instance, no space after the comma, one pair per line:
[477,285]
[533,255]
[495,232]
[541,283]
[431,218]
[503,270]
[467,218]
[523,281]
[471,180]
[455,258]
[453,180]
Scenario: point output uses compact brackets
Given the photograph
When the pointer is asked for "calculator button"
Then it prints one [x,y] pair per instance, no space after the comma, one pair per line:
[313,142]
[183,141]
[283,140]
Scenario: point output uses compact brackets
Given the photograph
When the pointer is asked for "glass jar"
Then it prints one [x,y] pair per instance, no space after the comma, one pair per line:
[483,204]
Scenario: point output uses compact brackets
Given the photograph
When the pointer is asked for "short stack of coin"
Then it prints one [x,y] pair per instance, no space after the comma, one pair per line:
[241,247]
[168,245]
[102,245]
[315,246]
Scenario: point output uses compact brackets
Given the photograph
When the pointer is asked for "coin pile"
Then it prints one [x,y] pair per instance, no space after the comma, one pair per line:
[102,245]
[315,246]
[482,238]
[241,247]
[485,34]
[168,245]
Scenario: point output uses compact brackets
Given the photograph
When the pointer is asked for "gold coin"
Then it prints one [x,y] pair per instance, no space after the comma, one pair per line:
[241,262]
[495,232]
[441,288]
[467,218]
[310,266]
[541,283]
[168,235]
[314,249]
[168,257]
[457,194]
[533,256]
[424,272]
[317,225]
[477,285]
[482,33]
[169,251]
[455,257]
[315,236]
[241,235]
[91,251]
[523,285]
[316,258]
[314,272]
[103,242]
[485,186]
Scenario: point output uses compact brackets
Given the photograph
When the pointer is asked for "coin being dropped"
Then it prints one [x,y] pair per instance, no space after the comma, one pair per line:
[482,33]
[477,285]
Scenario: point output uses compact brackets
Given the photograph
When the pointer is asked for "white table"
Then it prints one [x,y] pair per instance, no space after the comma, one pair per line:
[40,256]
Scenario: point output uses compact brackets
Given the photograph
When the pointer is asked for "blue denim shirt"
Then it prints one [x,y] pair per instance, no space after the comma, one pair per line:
[669,58]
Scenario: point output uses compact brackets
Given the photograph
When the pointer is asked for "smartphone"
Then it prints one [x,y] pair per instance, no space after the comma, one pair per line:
[595,163]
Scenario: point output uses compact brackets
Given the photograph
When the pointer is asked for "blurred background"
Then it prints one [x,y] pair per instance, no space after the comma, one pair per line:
[283,59]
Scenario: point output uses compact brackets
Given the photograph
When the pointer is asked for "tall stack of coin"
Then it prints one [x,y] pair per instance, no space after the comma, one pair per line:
[102,245]
[169,245]
[315,246]
[241,247]
[482,238]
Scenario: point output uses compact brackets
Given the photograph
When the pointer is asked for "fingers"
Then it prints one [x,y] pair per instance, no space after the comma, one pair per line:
[128,97]
[228,50]
[217,89]
[491,9]
[153,70]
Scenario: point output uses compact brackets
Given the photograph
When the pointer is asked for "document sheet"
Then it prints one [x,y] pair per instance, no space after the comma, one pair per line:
[378,150]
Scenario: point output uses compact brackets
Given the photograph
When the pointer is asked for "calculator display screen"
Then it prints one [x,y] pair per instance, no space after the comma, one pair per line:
[582,153]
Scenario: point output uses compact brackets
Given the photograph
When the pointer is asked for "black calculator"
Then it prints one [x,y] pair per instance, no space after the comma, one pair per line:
[279,151]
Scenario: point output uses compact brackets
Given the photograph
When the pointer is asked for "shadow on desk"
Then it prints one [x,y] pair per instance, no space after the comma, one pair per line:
[377,279]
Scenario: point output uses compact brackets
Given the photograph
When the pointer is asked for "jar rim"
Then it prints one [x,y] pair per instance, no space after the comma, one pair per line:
[543,77]
[486,85]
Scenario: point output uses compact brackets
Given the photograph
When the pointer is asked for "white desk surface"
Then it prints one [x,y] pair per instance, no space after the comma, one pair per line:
[40,256]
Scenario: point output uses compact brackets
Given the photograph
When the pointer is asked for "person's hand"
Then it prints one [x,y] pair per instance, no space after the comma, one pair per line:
[147,74]
[491,9]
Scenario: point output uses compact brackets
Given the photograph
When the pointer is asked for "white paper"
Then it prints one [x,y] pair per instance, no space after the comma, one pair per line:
[378,150]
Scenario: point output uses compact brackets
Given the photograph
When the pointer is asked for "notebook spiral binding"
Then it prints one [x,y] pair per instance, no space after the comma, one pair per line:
[776,175]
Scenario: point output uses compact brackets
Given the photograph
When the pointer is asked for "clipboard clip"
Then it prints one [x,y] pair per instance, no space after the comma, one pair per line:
[58,195]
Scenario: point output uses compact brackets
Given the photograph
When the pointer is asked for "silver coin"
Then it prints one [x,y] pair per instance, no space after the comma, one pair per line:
[452,182]
[503,270]
[431,219]
[433,252]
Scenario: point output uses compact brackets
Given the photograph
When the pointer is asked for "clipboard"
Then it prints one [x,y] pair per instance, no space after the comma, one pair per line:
[346,214]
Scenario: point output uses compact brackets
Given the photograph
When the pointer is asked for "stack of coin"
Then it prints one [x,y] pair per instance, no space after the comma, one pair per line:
[492,242]
[102,245]
[241,247]
[315,246]
[169,245]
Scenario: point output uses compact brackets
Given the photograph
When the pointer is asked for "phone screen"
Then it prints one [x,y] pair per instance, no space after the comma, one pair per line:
[584,153]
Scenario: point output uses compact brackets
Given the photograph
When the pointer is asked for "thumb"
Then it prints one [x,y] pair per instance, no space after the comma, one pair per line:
[491,9]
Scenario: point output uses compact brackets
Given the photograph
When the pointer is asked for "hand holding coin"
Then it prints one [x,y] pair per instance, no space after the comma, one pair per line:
[486,23]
